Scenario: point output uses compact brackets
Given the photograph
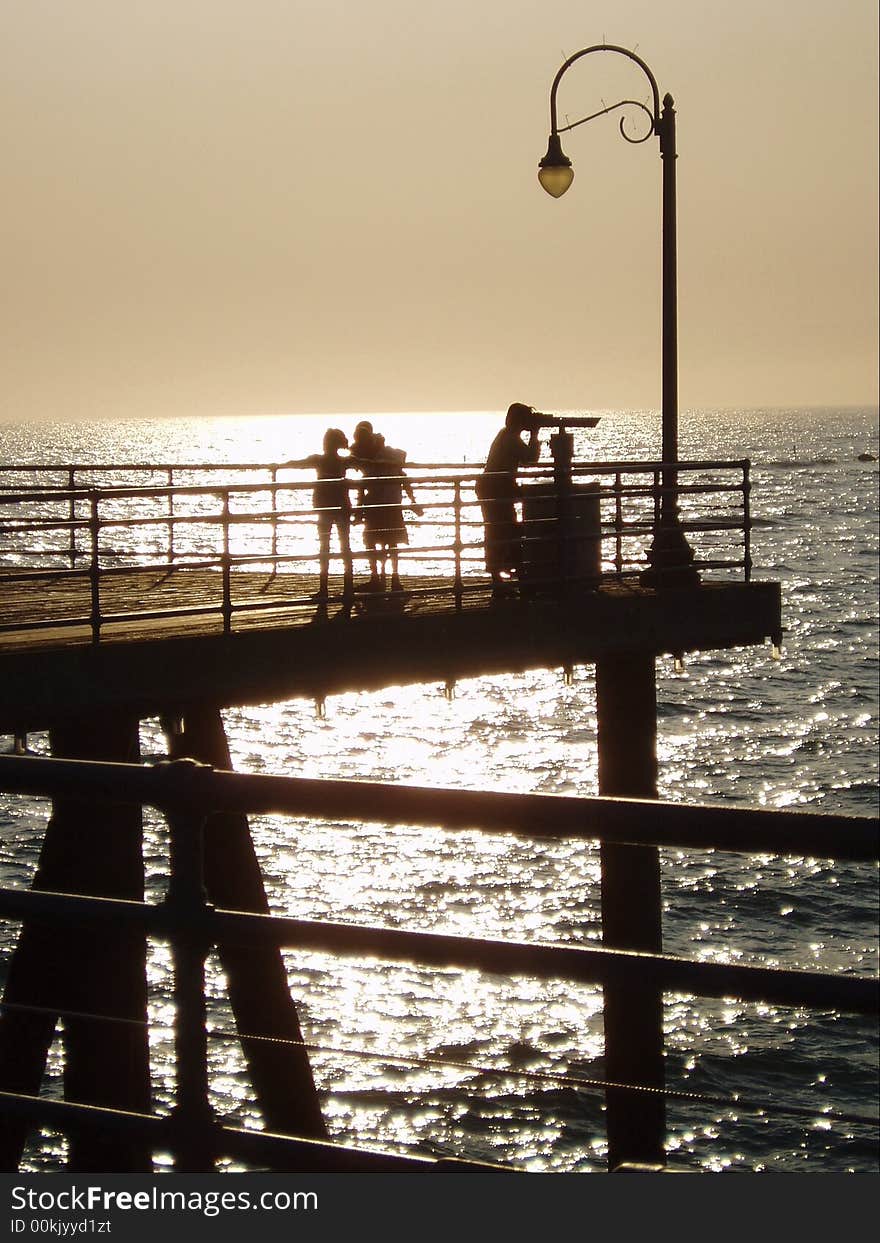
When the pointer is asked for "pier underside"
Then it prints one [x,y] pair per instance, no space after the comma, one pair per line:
[148,666]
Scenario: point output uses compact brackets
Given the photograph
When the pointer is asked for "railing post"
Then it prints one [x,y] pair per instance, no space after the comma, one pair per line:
[71,513]
[192,1116]
[458,588]
[95,566]
[274,518]
[657,512]
[170,474]
[562,449]
[618,522]
[227,567]
[747,520]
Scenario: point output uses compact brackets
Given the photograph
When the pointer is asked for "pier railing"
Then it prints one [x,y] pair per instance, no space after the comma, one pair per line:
[186,793]
[92,536]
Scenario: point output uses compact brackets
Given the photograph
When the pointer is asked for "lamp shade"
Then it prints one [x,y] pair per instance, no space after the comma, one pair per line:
[555,172]
[556,180]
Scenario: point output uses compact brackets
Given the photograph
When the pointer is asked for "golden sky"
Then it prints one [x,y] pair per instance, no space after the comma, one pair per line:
[258,206]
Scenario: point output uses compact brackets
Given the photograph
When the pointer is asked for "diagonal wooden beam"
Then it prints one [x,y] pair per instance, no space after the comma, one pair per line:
[257,981]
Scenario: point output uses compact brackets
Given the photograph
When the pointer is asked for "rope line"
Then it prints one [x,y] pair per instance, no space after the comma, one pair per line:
[58,1012]
[575,1081]
[493,1072]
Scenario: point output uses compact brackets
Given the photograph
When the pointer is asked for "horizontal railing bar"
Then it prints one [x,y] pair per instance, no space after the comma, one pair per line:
[164,467]
[46,573]
[62,526]
[189,610]
[550,538]
[527,475]
[209,561]
[184,561]
[52,497]
[213,519]
[463,474]
[676,825]
[141,567]
[46,623]
[640,466]
[580,964]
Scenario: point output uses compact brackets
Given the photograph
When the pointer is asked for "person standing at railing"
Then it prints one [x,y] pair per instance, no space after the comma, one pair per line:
[497,490]
[364,447]
[380,503]
[380,506]
[333,506]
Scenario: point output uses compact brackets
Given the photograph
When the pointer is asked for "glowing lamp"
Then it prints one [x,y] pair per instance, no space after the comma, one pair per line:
[555,172]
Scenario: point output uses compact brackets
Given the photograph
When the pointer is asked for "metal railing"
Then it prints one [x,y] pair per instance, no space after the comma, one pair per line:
[73,541]
[186,792]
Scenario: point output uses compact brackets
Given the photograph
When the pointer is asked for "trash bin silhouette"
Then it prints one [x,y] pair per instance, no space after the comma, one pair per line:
[560,536]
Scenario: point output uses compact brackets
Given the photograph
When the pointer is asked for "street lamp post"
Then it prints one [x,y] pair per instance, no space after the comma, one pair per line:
[670,556]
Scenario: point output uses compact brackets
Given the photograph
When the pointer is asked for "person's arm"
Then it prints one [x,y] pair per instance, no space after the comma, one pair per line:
[408,489]
[532,449]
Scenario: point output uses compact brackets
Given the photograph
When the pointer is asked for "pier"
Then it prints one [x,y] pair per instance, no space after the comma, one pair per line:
[179,591]
[141,594]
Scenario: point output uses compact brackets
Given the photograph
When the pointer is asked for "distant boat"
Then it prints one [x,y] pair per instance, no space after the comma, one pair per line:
[866,457]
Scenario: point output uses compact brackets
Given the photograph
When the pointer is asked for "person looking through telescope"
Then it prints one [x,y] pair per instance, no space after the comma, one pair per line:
[497,490]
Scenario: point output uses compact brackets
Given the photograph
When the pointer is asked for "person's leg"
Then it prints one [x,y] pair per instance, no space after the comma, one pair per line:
[375,582]
[323,556]
[345,549]
[380,544]
[488,551]
[494,513]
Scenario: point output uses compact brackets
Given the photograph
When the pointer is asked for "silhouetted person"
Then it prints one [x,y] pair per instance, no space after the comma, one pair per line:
[364,447]
[331,500]
[497,490]
[380,500]
[380,504]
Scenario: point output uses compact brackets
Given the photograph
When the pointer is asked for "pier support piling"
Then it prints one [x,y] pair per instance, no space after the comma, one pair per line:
[90,848]
[626,701]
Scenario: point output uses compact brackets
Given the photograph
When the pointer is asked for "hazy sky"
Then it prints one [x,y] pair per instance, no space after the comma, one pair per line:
[258,206]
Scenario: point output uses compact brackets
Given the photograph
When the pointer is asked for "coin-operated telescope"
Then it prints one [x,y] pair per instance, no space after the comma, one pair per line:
[562,440]
[559,422]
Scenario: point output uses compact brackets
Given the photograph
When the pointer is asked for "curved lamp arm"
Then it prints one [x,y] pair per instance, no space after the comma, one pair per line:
[554,170]
[603,47]
[624,103]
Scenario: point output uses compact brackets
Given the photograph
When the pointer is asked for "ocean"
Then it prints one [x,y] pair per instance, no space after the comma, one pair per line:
[504,1069]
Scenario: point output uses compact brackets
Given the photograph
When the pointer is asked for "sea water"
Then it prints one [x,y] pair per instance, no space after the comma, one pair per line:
[504,1069]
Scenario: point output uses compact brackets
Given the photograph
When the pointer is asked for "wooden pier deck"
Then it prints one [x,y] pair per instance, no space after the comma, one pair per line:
[281,645]
[184,601]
